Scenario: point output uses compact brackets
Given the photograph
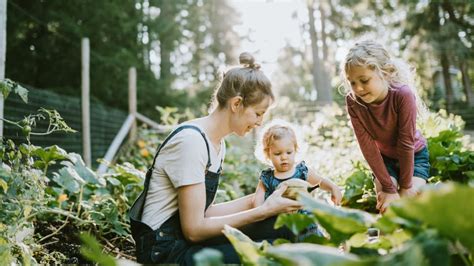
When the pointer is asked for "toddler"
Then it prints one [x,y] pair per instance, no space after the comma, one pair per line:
[279,146]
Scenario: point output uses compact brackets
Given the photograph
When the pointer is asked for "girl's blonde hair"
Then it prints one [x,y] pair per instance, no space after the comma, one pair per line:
[276,130]
[392,71]
[247,81]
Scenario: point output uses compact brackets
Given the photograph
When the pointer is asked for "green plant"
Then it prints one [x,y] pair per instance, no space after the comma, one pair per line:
[431,229]
[93,251]
[42,210]
[172,116]
[23,182]
[449,159]
[359,190]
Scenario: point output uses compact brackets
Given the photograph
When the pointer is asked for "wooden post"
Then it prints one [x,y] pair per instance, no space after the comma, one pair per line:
[114,147]
[86,131]
[132,100]
[3,53]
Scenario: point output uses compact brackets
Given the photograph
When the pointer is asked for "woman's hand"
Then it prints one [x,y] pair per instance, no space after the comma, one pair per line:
[276,204]
[336,195]
[384,199]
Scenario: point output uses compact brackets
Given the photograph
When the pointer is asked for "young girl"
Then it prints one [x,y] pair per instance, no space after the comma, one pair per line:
[280,146]
[382,104]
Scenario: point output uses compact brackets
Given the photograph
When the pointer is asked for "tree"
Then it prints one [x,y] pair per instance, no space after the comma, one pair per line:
[165,40]
[321,80]
[329,25]
[447,26]
[43,48]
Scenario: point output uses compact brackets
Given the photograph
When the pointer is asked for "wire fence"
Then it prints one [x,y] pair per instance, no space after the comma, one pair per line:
[105,122]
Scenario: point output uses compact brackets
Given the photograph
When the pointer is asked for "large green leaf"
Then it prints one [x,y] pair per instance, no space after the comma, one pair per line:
[126,173]
[3,185]
[296,222]
[420,251]
[82,170]
[92,250]
[208,257]
[311,254]
[340,223]
[448,207]
[434,247]
[410,255]
[48,155]
[69,179]
[251,253]
[359,191]
[6,257]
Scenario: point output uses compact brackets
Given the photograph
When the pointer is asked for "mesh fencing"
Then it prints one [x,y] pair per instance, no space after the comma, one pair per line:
[105,122]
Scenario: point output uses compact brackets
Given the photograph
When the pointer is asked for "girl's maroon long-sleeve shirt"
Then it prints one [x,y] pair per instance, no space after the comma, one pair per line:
[388,128]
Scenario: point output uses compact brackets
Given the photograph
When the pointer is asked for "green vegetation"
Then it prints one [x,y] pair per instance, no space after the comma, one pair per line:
[48,196]
[433,229]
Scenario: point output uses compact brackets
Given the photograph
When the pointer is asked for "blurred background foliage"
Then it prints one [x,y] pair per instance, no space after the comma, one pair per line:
[178,47]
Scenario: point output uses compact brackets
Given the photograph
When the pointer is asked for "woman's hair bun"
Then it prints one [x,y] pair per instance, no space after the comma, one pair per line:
[247,60]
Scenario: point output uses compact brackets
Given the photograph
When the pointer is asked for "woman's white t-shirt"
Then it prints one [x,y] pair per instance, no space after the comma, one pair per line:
[182,161]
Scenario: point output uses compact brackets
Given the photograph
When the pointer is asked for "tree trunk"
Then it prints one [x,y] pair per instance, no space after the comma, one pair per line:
[166,45]
[466,82]
[324,93]
[3,53]
[147,47]
[216,46]
[447,81]
[323,31]
[326,65]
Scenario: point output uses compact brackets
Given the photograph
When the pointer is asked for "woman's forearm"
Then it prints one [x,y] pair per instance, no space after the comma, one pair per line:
[197,226]
[212,226]
[234,206]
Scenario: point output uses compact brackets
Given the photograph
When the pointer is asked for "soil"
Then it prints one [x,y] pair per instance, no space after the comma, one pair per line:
[68,243]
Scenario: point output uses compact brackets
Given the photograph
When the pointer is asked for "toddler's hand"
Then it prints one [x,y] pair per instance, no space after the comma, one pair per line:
[384,199]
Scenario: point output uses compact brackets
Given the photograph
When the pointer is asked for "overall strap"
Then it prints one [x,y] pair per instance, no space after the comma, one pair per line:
[172,134]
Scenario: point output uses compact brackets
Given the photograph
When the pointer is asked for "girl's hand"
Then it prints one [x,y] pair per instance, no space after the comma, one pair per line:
[276,204]
[336,195]
[408,192]
[384,199]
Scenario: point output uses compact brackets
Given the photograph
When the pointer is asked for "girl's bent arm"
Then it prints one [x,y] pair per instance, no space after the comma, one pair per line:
[326,185]
[313,178]
[196,227]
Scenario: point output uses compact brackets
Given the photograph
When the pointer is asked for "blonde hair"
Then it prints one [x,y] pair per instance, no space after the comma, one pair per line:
[247,81]
[392,71]
[276,130]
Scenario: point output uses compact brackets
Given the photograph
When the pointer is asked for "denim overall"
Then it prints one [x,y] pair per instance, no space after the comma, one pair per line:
[166,244]
[271,183]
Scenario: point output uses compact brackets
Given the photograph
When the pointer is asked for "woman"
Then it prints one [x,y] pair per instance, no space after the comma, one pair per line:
[175,216]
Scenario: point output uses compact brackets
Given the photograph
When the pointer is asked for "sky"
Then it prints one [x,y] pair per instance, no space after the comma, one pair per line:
[271,26]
